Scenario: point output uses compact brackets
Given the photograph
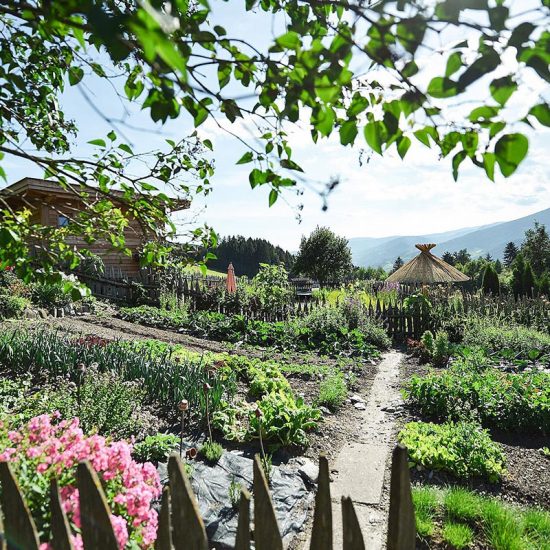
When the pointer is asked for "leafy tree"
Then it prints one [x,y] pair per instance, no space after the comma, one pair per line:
[448,257]
[166,54]
[498,266]
[510,253]
[369,273]
[536,248]
[462,257]
[544,284]
[324,256]
[247,254]
[490,283]
[397,264]
[529,280]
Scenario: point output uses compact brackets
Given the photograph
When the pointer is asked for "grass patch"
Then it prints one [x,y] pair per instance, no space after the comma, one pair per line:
[333,391]
[457,535]
[461,518]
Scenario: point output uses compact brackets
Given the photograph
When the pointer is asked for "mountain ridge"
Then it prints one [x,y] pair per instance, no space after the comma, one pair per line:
[478,240]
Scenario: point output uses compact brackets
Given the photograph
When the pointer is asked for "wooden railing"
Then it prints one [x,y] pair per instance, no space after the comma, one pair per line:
[180,525]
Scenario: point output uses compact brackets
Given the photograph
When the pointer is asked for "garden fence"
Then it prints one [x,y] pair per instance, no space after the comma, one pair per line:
[180,525]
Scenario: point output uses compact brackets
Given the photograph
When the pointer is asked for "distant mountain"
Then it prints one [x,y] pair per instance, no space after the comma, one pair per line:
[492,238]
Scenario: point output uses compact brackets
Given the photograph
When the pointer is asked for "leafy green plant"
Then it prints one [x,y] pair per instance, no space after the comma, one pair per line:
[333,390]
[462,449]
[265,378]
[234,492]
[50,294]
[211,451]
[155,448]
[505,400]
[165,381]
[12,306]
[103,402]
[284,420]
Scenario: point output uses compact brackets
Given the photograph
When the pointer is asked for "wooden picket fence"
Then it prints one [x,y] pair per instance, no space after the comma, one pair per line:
[180,525]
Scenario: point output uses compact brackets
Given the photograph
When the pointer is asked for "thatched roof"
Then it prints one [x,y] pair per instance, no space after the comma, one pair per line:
[427,268]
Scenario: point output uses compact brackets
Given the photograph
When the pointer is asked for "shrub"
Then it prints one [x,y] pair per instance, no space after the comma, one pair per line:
[495,335]
[462,449]
[103,402]
[12,306]
[333,391]
[211,451]
[46,448]
[49,295]
[155,448]
[498,400]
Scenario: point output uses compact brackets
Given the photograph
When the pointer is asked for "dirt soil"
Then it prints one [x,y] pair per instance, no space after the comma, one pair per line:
[528,477]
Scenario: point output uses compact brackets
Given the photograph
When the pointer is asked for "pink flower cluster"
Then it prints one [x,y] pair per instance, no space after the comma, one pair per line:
[54,448]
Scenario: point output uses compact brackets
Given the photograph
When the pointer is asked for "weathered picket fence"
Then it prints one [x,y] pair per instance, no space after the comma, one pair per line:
[180,525]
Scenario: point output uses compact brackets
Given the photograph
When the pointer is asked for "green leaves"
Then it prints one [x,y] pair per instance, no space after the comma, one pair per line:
[542,113]
[510,150]
[76,74]
[348,132]
[246,158]
[403,144]
[502,89]
[442,87]
[289,40]
[373,136]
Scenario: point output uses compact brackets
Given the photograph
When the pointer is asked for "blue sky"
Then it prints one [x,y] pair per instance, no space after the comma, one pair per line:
[383,196]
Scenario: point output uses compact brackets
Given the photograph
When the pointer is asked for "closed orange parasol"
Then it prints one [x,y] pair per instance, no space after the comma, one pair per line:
[231,282]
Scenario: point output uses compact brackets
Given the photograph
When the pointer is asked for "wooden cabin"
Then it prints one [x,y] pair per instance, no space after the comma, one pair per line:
[51,205]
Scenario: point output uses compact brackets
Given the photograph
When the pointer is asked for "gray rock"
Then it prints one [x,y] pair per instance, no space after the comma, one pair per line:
[309,471]
[324,410]
[360,406]
[356,399]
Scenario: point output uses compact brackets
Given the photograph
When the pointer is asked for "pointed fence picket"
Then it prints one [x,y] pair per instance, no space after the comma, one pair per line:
[180,525]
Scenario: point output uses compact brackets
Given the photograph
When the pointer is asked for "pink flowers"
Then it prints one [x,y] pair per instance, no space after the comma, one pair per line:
[47,447]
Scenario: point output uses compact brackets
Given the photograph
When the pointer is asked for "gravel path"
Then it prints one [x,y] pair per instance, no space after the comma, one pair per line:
[362,466]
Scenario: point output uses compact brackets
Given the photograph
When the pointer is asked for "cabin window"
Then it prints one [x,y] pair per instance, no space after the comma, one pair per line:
[62,221]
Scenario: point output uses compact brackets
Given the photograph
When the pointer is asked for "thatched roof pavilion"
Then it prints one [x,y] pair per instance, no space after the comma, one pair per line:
[426,269]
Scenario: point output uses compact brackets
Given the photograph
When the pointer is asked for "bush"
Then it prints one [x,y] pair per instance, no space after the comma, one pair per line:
[494,335]
[155,448]
[498,400]
[104,403]
[50,295]
[462,449]
[211,451]
[12,306]
[44,448]
[333,391]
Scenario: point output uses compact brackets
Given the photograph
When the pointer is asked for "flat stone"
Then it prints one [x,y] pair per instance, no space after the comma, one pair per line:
[360,473]
[360,405]
[325,411]
[356,399]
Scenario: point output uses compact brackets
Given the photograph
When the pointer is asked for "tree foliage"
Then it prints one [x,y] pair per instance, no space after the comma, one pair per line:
[324,256]
[247,254]
[490,283]
[314,72]
[536,248]
[510,253]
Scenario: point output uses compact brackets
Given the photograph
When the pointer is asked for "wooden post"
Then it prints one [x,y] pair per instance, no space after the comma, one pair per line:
[96,527]
[187,525]
[266,530]
[164,530]
[321,534]
[61,532]
[401,523]
[242,542]
[352,536]
[19,528]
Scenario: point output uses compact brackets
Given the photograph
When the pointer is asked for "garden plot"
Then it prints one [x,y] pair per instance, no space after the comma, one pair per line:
[478,431]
